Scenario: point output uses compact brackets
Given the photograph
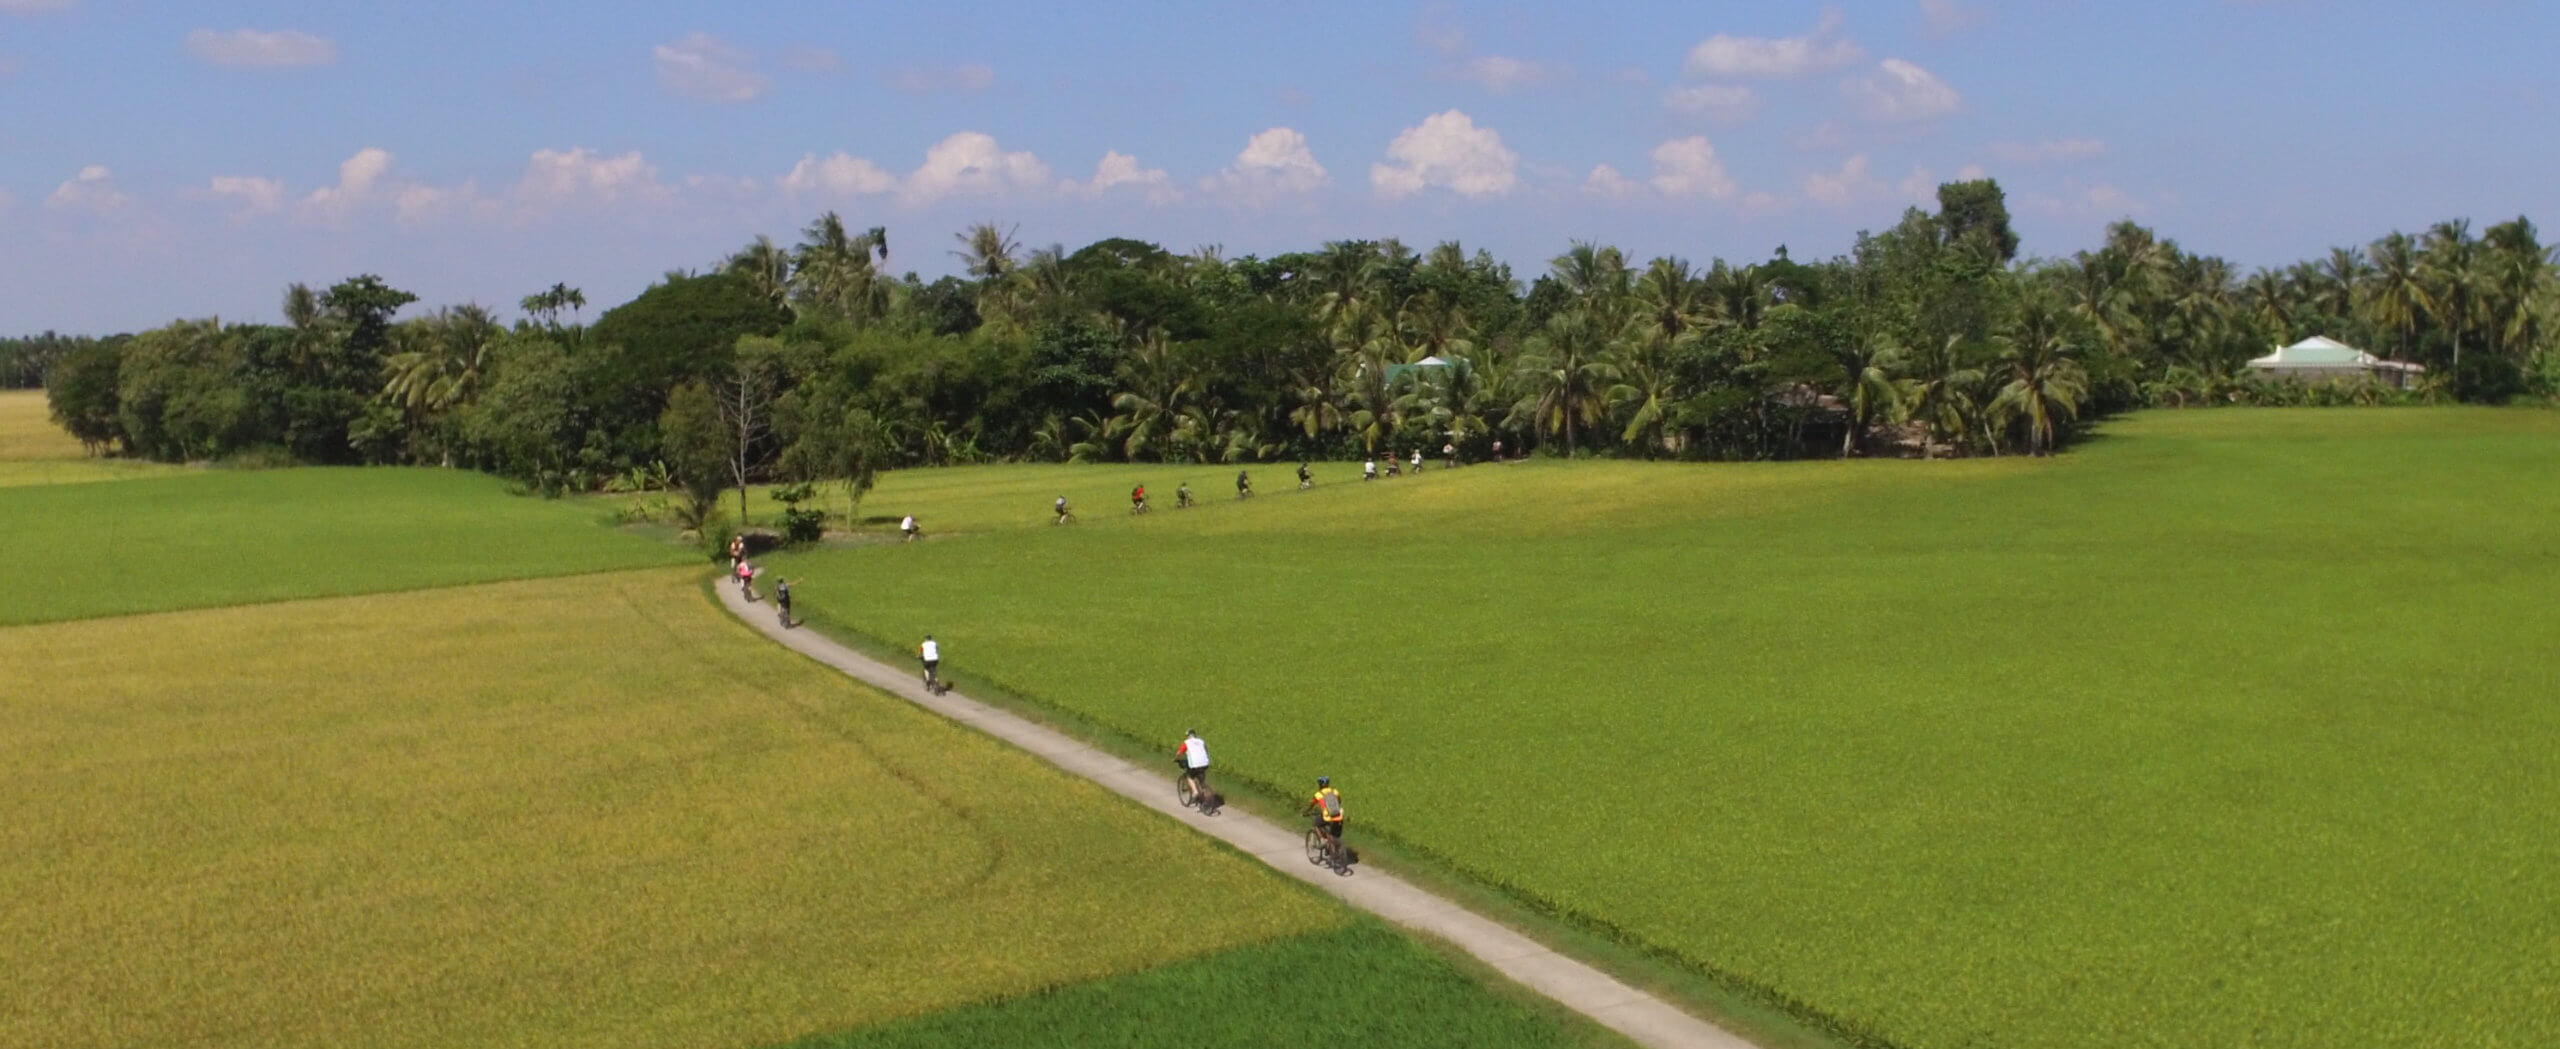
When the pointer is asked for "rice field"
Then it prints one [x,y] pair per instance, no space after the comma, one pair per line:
[574,812]
[2228,728]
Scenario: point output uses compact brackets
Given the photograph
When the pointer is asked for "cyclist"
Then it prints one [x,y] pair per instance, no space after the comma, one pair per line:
[931,653]
[1244,486]
[737,551]
[1305,480]
[1182,496]
[1192,755]
[1369,470]
[1064,515]
[1417,458]
[782,600]
[908,528]
[1326,807]
[1449,451]
[746,579]
[1395,465]
[1138,499]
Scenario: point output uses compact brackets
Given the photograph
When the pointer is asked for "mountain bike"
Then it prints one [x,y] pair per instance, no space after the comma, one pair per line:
[1195,795]
[1325,850]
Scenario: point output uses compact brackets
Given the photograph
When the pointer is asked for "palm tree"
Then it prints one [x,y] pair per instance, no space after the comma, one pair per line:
[1740,294]
[986,251]
[2454,280]
[2399,296]
[766,267]
[2519,283]
[1941,393]
[437,363]
[2341,283]
[2046,385]
[836,273]
[1563,375]
[2269,301]
[1435,325]
[1871,386]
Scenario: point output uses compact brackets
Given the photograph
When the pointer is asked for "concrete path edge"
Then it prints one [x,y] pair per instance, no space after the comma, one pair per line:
[1641,1017]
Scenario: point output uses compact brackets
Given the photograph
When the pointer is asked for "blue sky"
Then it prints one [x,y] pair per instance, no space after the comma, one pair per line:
[174,160]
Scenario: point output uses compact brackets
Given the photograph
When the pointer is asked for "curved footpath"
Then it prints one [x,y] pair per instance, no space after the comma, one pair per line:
[1642,1017]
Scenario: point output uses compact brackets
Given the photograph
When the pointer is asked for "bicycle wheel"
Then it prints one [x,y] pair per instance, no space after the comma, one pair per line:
[1183,793]
[1316,853]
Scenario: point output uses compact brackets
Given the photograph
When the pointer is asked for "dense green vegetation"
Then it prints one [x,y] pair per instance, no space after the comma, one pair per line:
[2231,728]
[809,362]
[1357,986]
[589,812]
[223,537]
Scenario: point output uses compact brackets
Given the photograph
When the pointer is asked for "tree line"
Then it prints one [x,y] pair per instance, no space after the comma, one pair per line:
[809,361]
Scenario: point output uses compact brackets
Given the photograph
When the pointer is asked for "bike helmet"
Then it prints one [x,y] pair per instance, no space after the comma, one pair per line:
[1324,781]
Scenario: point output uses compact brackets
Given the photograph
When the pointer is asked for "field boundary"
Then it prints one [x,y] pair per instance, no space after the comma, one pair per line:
[1641,1017]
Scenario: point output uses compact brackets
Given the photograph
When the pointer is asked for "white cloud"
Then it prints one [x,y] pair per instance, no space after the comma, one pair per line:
[1732,57]
[2109,199]
[582,174]
[1947,16]
[1274,161]
[35,7]
[2058,150]
[926,80]
[1447,150]
[257,196]
[700,66]
[1842,186]
[1688,167]
[261,49]
[840,175]
[970,162]
[1120,169]
[1918,187]
[1730,103]
[1898,92]
[357,176]
[1500,73]
[92,190]
[1607,182]
[1971,173]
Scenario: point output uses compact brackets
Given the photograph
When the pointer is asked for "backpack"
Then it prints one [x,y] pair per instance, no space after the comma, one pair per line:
[1332,804]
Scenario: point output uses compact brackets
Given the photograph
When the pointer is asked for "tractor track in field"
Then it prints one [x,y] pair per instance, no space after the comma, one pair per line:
[1641,1017]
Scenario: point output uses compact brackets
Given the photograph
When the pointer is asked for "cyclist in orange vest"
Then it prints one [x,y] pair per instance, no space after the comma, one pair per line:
[1326,807]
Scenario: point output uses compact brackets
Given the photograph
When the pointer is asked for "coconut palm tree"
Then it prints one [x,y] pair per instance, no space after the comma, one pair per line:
[2046,384]
[987,251]
[766,267]
[2519,284]
[1563,375]
[2398,300]
[1872,388]
[836,273]
[2452,274]
[1941,393]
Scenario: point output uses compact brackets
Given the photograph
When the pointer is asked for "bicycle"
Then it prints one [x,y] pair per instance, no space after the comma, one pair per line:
[1065,517]
[1137,508]
[1194,794]
[1325,850]
[933,683]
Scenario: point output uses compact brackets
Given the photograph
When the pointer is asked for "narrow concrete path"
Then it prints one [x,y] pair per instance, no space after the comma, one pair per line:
[1648,1020]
